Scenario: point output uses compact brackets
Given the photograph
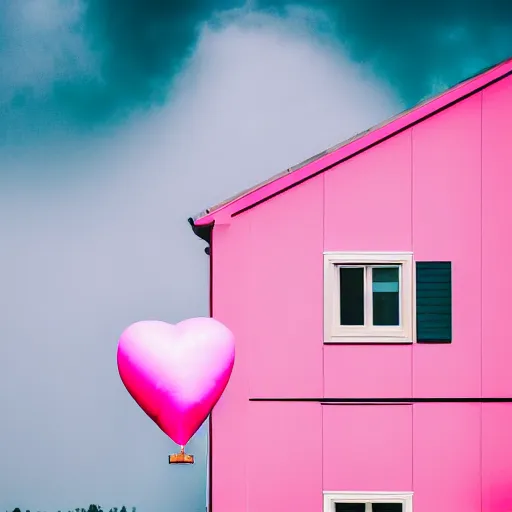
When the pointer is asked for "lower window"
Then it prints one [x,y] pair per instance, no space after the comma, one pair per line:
[367,502]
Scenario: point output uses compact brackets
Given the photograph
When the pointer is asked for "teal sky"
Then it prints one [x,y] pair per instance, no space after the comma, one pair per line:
[95,63]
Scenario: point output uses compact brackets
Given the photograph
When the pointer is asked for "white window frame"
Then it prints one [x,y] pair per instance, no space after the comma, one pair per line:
[336,333]
[333,497]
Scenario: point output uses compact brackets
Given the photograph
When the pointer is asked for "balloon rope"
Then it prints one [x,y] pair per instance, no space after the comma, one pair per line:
[182,449]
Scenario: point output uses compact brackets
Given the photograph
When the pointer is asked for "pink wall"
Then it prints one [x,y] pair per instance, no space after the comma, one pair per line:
[442,190]
[496,238]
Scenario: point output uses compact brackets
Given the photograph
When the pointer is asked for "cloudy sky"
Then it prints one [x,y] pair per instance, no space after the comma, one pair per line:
[118,120]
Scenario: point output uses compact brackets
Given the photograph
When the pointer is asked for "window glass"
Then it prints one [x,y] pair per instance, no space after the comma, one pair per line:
[387,507]
[350,507]
[352,295]
[386,295]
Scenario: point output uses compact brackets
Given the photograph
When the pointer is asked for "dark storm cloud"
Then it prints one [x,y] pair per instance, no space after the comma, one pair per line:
[140,46]
[103,59]
[72,63]
[421,46]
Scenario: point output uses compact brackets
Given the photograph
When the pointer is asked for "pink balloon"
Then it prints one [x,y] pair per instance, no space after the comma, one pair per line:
[176,373]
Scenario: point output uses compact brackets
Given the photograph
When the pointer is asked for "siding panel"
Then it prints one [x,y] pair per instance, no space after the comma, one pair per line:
[285,294]
[367,447]
[447,227]
[496,457]
[497,238]
[284,462]
[229,474]
[368,208]
[446,456]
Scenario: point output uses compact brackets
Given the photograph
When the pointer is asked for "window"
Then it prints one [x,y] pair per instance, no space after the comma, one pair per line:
[367,502]
[368,297]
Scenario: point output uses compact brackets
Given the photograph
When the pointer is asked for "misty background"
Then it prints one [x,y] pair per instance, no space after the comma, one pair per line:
[118,120]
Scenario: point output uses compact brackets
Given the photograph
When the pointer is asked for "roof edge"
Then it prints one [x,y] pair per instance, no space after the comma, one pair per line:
[204,232]
[356,144]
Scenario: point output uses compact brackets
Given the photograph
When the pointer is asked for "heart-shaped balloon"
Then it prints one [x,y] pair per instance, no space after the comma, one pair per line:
[176,373]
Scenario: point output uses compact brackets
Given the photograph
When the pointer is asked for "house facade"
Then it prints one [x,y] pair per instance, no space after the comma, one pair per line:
[368,290]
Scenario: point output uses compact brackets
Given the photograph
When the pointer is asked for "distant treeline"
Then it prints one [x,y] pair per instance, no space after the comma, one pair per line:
[92,508]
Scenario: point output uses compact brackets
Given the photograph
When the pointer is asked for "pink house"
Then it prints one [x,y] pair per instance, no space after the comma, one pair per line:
[369,292]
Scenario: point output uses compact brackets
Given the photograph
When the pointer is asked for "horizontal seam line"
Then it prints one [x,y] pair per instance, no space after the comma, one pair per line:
[389,400]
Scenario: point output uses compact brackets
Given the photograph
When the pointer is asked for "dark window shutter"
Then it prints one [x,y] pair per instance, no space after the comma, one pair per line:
[434,301]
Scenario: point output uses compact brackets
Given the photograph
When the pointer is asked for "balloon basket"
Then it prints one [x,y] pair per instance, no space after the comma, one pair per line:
[181,458]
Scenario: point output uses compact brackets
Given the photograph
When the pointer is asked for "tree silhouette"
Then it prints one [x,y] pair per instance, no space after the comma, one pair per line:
[92,507]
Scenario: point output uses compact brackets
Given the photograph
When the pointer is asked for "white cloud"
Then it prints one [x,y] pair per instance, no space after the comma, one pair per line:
[112,246]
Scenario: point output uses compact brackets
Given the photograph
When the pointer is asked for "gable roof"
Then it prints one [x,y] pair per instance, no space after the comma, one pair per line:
[349,148]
